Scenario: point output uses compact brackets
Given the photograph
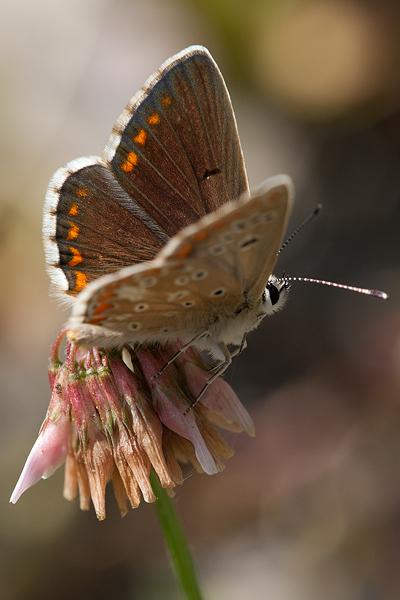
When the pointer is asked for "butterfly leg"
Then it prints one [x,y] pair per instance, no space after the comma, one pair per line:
[221,368]
[185,347]
[236,352]
[242,347]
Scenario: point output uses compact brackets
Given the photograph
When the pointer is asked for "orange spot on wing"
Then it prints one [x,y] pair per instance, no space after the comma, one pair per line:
[275,196]
[153,119]
[73,232]
[218,225]
[141,137]
[152,272]
[200,236]
[81,281]
[77,257]
[73,210]
[111,287]
[82,192]
[167,101]
[184,251]
[177,267]
[105,296]
[256,203]
[102,307]
[96,320]
[130,162]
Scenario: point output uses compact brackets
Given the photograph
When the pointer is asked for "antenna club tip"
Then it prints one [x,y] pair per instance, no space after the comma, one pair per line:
[382,295]
[318,209]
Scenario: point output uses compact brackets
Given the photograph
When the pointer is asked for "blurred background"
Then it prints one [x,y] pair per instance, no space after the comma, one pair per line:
[310,508]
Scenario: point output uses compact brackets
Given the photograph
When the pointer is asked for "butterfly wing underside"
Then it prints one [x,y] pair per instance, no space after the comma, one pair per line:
[203,274]
[173,156]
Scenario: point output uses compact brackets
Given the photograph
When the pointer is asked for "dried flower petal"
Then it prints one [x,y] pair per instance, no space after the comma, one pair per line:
[144,420]
[226,410]
[99,465]
[112,422]
[119,492]
[171,403]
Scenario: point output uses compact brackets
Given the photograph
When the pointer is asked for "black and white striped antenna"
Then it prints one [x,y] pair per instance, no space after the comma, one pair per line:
[316,212]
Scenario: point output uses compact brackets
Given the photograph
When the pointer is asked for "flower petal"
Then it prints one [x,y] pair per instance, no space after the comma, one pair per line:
[51,447]
[144,421]
[48,453]
[219,397]
[99,464]
[171,402]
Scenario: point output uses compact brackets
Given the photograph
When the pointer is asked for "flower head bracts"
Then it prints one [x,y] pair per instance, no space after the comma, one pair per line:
[113,423]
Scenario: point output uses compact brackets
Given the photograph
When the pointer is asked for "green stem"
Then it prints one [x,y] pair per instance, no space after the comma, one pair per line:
[182,562]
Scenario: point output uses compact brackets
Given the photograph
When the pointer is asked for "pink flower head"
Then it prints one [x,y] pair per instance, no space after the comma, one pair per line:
[111,422]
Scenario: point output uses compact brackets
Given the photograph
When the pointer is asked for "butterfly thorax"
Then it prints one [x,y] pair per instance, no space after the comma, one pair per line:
[231,327]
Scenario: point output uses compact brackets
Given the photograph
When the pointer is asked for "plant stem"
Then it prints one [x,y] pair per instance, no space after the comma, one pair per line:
[181,559]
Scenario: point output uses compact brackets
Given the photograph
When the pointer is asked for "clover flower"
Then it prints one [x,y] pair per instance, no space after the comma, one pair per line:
[107,421]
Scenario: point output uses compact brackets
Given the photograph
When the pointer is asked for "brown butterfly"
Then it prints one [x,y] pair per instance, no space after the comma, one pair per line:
[160,240]
[150,242]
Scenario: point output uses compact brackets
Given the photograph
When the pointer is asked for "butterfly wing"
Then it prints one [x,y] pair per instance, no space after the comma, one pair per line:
[263,233]
[202,276]
[92,227]
[243,238]
[173,156]
[175,148]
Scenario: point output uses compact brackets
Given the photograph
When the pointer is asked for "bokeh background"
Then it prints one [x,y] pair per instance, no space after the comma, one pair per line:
[310,508]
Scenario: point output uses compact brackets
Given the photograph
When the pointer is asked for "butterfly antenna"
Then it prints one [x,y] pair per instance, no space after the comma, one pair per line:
[315,213]
[376,293]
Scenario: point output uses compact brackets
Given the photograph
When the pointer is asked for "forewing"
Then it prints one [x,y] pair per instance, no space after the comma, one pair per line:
[175,148]
[173,156]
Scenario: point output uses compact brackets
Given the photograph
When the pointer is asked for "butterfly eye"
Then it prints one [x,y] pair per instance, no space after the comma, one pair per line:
[274,296]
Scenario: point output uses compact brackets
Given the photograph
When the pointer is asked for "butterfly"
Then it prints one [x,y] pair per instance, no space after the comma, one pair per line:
[160,240]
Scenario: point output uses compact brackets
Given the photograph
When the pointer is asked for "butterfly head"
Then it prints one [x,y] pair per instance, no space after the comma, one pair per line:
[275,295]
